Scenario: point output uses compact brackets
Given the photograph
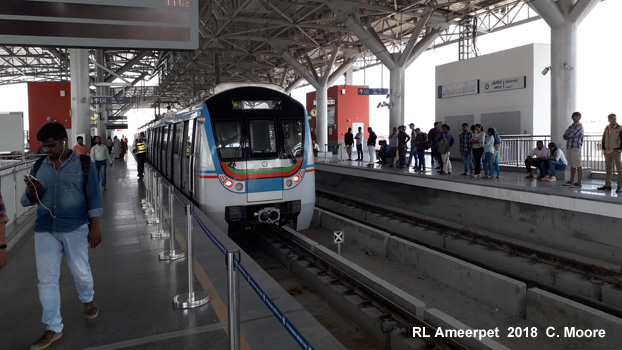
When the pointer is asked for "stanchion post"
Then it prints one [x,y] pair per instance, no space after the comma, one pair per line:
[233,290]
[191,299]
[151,212]
[171,254]
[146,199]
[325,152]
[160,231]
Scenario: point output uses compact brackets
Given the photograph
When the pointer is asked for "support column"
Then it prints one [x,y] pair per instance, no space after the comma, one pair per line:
[103,114]
[80,99]
[321,126]
[350,76]
[396,103]
[563,78]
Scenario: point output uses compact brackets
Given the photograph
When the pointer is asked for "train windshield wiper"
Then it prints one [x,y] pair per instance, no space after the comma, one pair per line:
[232,163]
[289,153]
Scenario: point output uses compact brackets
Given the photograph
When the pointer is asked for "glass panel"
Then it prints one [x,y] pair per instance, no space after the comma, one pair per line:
[293,138]
[164,138]
[189,138]
[179,137]
[227,136]
[256,104]
[262,137]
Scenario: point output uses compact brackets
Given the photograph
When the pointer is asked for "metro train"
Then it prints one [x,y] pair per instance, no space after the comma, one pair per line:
[244,156]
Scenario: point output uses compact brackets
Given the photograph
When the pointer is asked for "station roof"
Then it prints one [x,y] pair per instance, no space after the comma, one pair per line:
[246,40]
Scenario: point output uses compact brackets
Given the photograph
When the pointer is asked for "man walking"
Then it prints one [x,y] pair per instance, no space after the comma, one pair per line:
[99,155]
[81,148]
[359,144]
[465,149]
[348,140]
[67,223]
[140,149]
[612,147]
[371,146]
[574,142]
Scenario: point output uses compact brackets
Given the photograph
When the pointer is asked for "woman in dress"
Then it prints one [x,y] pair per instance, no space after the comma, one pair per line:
[116,145]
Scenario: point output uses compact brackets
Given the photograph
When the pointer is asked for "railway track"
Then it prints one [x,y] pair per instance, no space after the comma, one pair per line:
[587,271]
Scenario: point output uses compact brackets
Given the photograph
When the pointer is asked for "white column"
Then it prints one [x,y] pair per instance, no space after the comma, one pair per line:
[80,99]
[396,102]
[321,123]
[563,78]
[101,109]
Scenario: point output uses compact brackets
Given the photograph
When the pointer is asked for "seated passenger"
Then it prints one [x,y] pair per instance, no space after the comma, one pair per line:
[384,153]
[534,158]
[555,161]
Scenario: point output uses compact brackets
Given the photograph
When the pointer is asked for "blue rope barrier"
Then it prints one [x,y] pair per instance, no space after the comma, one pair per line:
[291,329]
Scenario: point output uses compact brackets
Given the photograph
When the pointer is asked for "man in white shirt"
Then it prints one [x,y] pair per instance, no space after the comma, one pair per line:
[359,144]
[534,159]
[99,155]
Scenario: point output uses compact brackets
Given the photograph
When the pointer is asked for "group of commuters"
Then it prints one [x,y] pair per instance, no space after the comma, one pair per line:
[65,186]
[479,149]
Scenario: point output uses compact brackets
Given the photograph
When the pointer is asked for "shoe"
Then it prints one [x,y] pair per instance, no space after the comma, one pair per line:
[91,310]
[530,176]
[46,340]
[370,165]
[349,159]
[619,189]
[540,177]
[464,174]
[498,176]
[438,167]
[477,176]
[578,185]
[605,188]
[105,189]
[449,173]
[568,183]
[551,178]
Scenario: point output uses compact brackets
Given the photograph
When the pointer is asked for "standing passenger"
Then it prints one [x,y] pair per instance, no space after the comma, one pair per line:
[348,139]
[489,150]
[413,149]
[465,149]
[67,224]
[99,155]
[574,143]
[393,142]
[496,155]
[359,144]
[478,148]
[140,147]
[402,145]
[109,144]
[433,138]
[444,147]
[371,146]
[421,141]
[612,146]
[116,147]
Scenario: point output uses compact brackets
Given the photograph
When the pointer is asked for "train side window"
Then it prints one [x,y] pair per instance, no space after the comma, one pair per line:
[227,136]
[189,137]
[293,137]
[262,137]
[165,137]
[179,138]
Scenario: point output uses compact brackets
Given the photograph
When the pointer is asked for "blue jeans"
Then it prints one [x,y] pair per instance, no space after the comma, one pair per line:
[402,153]
[101,170]
[495,165]
[421,157]
[467,159]
[548,168]
[488,164]
[49,250]
[413,154]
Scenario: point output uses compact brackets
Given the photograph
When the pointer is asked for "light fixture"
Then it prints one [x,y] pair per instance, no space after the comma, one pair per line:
[546,70]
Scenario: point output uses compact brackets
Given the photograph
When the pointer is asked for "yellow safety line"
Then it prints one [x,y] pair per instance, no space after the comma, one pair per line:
[214,298]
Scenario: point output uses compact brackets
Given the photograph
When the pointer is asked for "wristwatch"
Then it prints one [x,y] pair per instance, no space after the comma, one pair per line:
[2,246]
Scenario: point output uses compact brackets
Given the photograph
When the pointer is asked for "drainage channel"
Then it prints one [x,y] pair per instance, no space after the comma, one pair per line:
[583,280]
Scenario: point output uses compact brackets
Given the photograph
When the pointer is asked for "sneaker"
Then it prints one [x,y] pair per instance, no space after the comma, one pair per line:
[551,178]
[567,183]
[349,159]
[605,188]
[477,176]
[485,177]
[46,340]
[530,176]
[578,185]
[498,176]
[91,310]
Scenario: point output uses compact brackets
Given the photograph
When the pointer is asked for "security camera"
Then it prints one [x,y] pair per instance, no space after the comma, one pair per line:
[546,70]
[568,67]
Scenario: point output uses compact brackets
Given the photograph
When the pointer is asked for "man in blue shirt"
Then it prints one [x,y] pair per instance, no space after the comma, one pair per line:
[67,223]
[574,142]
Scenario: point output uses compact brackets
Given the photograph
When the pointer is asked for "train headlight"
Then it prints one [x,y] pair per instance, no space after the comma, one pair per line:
[288,183]
[228,183]
[296,178]
[239,186]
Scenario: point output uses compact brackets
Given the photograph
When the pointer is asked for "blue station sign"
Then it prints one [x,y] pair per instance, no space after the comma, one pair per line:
[110,100]
[368,91]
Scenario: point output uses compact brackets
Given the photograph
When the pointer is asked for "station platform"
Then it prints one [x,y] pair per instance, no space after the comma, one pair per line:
[134,290]
[583,221]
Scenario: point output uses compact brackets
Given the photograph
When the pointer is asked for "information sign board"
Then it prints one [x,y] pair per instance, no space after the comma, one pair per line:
[372,91]
[505,84]
[100,100]
[470,87]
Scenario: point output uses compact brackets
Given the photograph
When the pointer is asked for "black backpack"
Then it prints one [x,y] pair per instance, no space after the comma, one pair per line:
[86,168]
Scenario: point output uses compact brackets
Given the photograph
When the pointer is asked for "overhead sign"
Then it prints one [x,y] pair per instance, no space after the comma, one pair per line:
[116,126]
[368,91]
[470,87]
[505,84]
[97,100]
[133,24]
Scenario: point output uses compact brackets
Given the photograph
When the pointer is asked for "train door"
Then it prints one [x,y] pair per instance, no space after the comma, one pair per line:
[156,148]
[178,154]
[163,149]
[188,152]
[194,158]
[264,166]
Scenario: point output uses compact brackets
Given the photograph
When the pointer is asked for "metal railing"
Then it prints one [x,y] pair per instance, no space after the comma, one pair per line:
[515,148]
[12,186]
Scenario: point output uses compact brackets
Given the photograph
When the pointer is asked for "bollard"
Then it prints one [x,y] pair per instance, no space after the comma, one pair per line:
[146,199]
[171,254]
[160,232]
[233,290]
[152,217]
[191,299]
